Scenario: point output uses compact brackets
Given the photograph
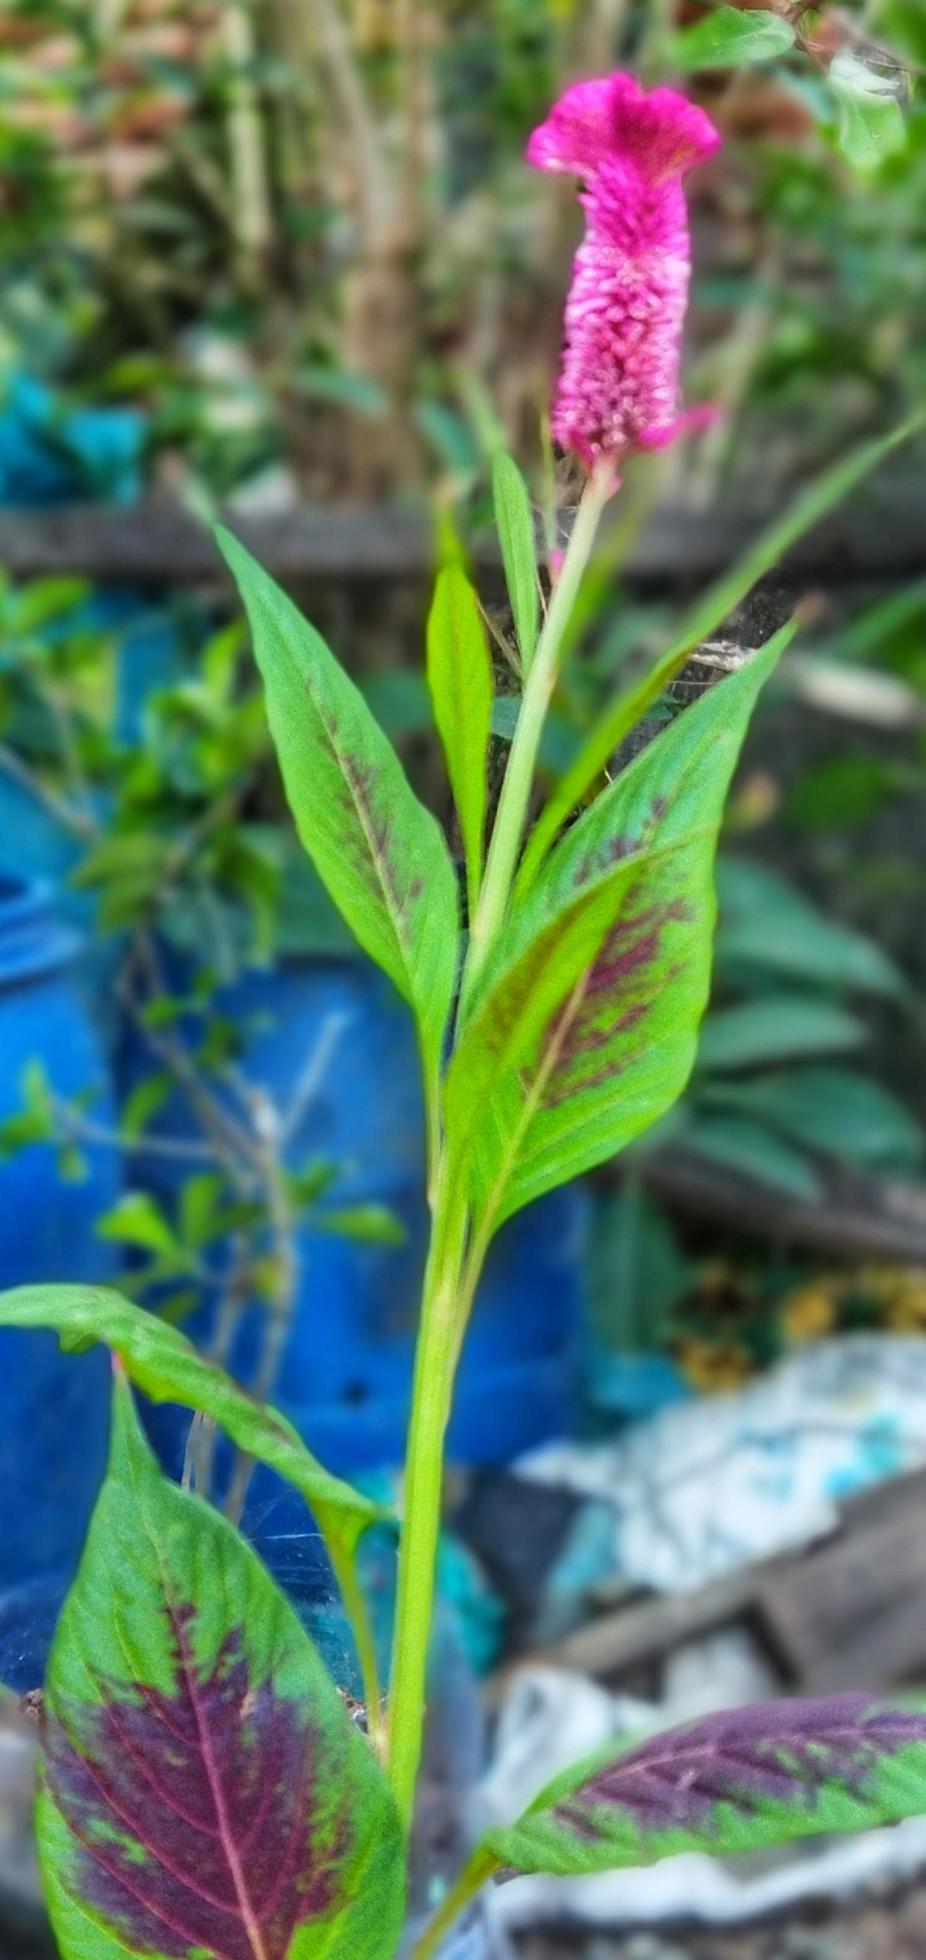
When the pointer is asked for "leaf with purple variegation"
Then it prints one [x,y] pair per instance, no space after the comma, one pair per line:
[167,1367]
[204,1790]
[584,1029]
[738,1781]
[380,853]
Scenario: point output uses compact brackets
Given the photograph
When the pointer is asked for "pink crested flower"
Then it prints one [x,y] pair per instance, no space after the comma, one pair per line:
[618,388]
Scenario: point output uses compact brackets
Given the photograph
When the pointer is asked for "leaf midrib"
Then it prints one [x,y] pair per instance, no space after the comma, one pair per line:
[387,888]
[225,1834]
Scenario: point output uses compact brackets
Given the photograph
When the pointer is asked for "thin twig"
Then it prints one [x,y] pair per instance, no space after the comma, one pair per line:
[84,1129]
[372,182]
[253,217]
[78,822]
[229,1139]
[278,1313]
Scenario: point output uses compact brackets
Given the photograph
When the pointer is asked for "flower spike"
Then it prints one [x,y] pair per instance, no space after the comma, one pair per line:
[619,383]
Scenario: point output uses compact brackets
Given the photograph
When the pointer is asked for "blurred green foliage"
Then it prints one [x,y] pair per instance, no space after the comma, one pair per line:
[305,237]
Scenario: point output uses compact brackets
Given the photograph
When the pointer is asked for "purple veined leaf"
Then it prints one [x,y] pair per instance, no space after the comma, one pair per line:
[380,853]
[204,1790]
[585,1027]
[737,1781]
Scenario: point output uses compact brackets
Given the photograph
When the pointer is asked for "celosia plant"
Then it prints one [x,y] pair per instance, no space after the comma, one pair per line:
[205,1795]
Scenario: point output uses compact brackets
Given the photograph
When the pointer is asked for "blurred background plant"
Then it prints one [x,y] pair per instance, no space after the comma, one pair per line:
[304,235]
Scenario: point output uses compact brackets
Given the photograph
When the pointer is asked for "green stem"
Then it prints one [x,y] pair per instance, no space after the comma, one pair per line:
[471,1880]
[453,1266]
[444,1306]
[538,692]
[344,1565]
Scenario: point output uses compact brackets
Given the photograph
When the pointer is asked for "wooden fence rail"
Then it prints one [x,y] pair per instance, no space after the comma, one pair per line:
[881,535]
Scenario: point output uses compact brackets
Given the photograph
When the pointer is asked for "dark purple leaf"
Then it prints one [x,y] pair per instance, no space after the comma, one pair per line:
[205,1791]
[731,1782]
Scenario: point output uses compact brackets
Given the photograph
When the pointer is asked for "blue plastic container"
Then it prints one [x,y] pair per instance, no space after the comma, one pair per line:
[334,1047]
[54,1408]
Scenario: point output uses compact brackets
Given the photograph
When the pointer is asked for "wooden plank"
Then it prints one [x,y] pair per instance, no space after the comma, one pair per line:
[848,1613]
[161,543]
[854,1615]
[610,1645]
[859,1218]
[880,535]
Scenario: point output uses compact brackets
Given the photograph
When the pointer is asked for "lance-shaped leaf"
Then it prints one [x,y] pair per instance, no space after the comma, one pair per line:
[380,853]
[737,1781]
[813,503]
[166,1366]
[515,525]
[584,1030]
[619,717]
[204,1790]
[460,679]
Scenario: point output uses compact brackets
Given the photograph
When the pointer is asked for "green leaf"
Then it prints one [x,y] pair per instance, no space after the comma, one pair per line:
[746,1146]
[366,1224]
[778,1027]
[583,1030]
[720,599]
[204,1789]
[460,679]
[46,600]
[768,927]
[834,1110]
[379,852]
[728,38]
[137,1220]
[809,507]
[623,714]
[345,388]
[738,1781]
[313,1179]
[635,1271]
[167,1368]
[870,119]
[199,1201]
[514,521]
[506,709]
[19,1131]
[144,1104]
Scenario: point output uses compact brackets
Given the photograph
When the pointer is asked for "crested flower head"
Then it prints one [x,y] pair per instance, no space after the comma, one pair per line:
[619,383]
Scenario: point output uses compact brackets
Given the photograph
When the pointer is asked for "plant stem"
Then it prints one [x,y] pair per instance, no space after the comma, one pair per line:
[538,692]
[438,1343]
[471,1880]
[454,1267]
[344,1565]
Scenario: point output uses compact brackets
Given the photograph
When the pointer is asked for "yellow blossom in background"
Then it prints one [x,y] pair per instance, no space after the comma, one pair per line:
[713,1366]
[810,1313]
[899,1293]
[907,1311]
